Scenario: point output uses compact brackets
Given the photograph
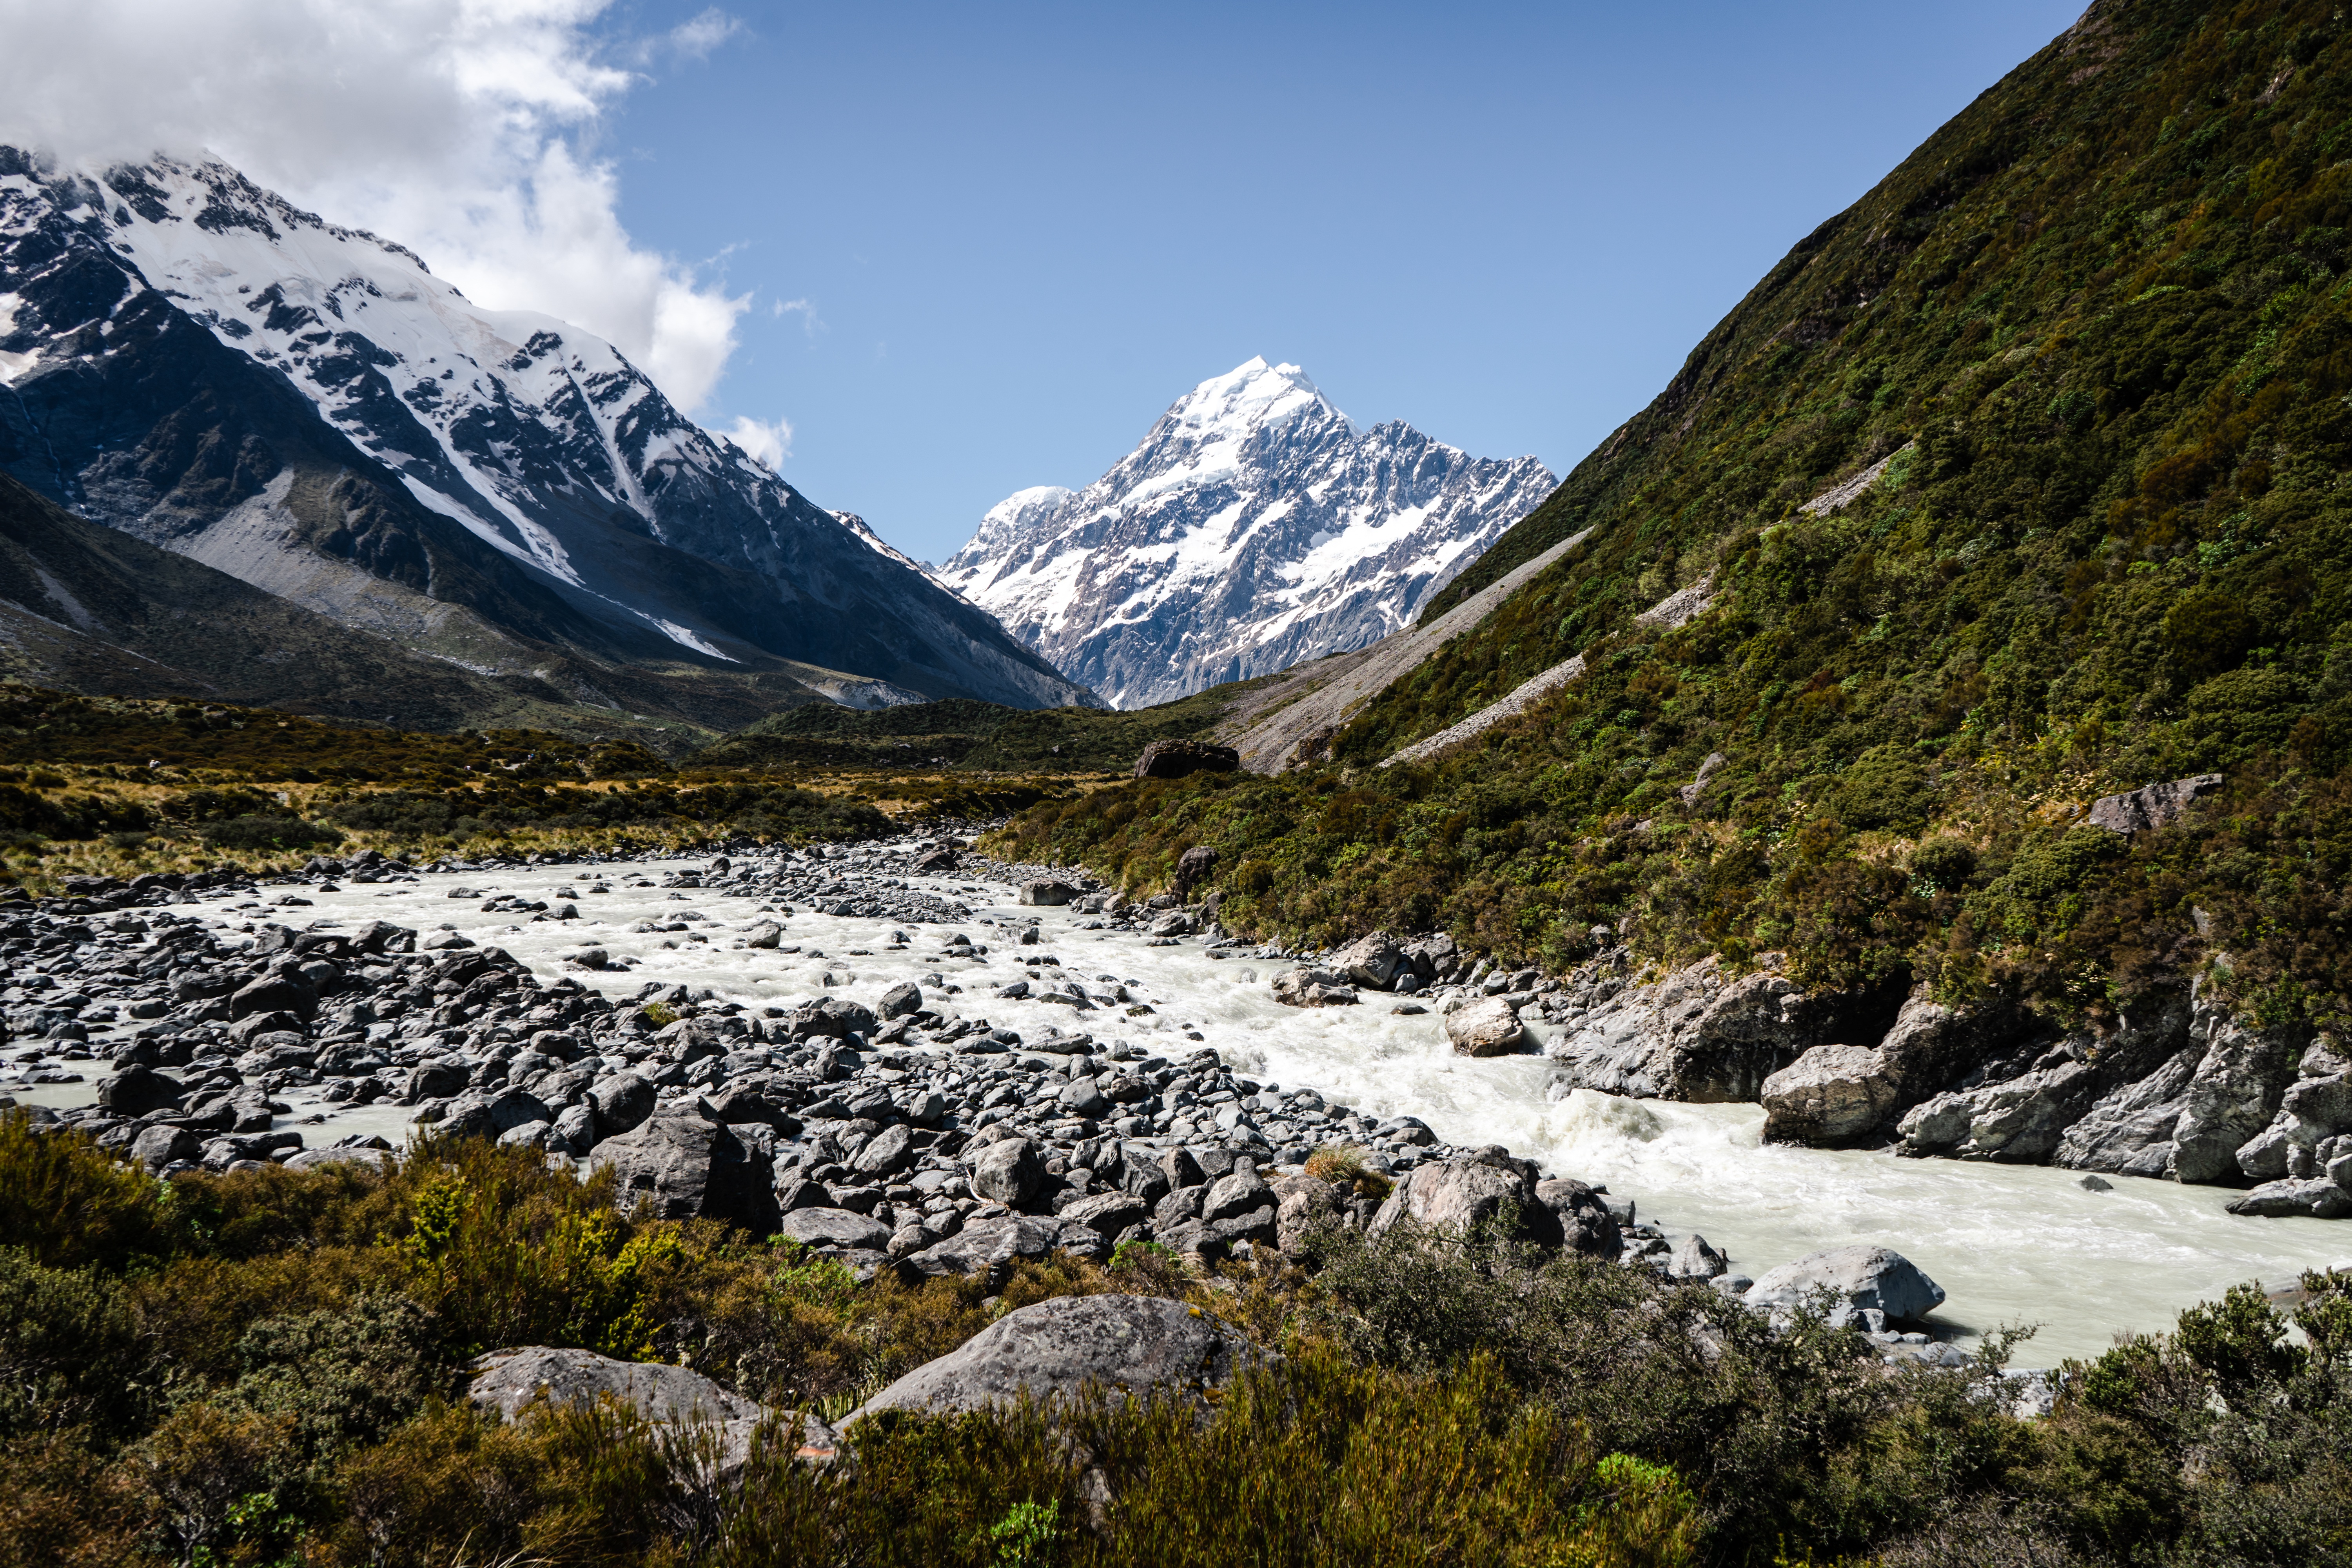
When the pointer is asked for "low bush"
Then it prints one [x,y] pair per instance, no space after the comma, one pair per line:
[256,1368]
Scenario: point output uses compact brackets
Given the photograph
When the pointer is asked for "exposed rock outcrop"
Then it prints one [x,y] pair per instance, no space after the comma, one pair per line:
[1699,1035]
[1179,759]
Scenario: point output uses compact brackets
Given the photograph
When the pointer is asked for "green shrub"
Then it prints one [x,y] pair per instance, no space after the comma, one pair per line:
[1885,788]
[70,1352]
[66,1203]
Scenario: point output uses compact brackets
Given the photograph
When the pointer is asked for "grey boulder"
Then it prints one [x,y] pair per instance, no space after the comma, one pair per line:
[1585,1223]
[1075,1347]
[2314,1196]
[1008,1171]
[1832,1095]
[679,1165]
[161,1146]
[620,1103]
[832,1227]
[1859,1278]
[511,1382]
[1489,1027]
[1372,961]
[990,1247]
[1313,988]
[1458,1195]
[138,1089]
[2138,810]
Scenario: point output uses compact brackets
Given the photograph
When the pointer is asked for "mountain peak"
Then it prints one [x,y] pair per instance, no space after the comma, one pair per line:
[1254,527]
[1251,395]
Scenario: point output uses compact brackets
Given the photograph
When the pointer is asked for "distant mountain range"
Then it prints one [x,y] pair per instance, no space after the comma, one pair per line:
[191,359]
[1255,527]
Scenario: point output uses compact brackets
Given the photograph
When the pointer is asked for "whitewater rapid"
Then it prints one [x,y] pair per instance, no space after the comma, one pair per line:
[2011,1245]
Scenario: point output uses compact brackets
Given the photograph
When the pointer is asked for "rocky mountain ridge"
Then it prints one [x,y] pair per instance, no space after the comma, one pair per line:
[1255,527]
[189,358]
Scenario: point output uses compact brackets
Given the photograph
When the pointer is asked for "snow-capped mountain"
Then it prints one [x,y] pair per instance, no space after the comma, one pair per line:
[1255,527]
[188,357]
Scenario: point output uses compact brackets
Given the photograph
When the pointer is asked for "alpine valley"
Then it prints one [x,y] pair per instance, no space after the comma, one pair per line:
[1253,528]
[191,359]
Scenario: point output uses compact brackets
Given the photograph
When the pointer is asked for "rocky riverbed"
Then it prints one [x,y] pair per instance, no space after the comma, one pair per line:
[884,1051]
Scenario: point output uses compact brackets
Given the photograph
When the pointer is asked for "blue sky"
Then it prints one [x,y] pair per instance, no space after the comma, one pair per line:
[988,244]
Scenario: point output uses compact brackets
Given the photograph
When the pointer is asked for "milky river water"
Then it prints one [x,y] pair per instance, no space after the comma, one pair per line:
[2011,1245]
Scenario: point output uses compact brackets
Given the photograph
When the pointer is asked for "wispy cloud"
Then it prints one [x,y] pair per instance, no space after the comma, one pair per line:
[694,40]
[811,322]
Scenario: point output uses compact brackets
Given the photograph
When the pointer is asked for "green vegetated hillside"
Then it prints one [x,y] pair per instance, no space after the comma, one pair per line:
[2102,323]
[978,736]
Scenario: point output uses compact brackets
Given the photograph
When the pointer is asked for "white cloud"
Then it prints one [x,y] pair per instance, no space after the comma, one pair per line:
[770,444]
[464,129]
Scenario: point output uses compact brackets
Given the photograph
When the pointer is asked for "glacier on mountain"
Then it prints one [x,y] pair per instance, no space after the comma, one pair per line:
[1255,527]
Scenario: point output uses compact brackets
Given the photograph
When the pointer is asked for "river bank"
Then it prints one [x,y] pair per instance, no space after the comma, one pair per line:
[2010,1244]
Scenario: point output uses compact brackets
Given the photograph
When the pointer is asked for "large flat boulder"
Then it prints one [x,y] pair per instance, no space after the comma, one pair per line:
[1489,1027]
[508,1381]
[680,1166]
[988,1248]
[1313,987]
[512,1381]
[1860,1279]
[1107,1347]
[2314,1197]
[1701,1034]
[1829,1097]
[826,1227]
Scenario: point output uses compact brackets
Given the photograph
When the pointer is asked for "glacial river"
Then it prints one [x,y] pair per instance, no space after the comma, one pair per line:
[2016,1245]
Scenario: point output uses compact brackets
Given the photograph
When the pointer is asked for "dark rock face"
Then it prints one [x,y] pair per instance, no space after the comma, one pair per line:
[620,1103]
[677,1165]
[1177,759]
[2139,810]
[1120,1346]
